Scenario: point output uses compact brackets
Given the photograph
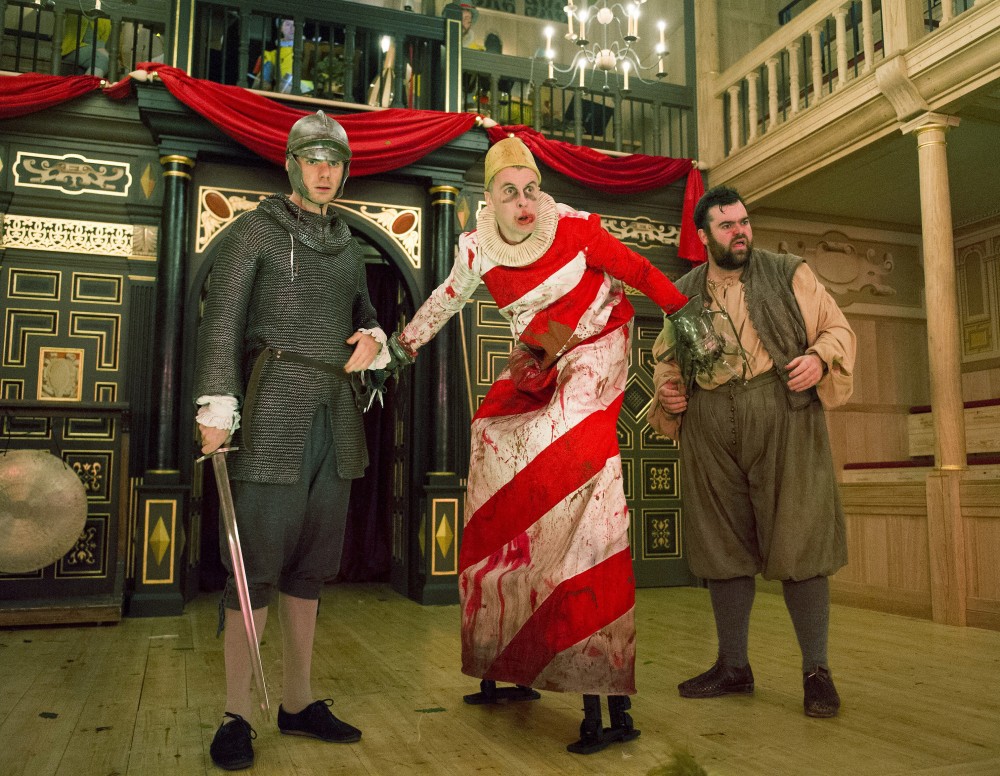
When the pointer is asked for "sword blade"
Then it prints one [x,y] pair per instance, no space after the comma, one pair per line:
[239,572]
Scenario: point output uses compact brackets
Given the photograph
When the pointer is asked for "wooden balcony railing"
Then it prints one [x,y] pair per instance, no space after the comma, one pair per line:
[350,53]
[59,37]
[338,50]
[816,53]
[649,118]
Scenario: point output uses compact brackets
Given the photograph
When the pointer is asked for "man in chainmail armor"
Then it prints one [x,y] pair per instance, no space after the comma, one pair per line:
[287,319]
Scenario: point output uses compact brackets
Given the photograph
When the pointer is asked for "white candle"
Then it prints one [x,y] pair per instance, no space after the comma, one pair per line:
[583,73]
[663,26]
[625,67]
[659,65]
[569,19]
[552,74]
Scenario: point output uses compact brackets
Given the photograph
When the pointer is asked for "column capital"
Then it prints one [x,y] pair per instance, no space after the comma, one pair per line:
[177,165]
[928,121]
[187,161]
[444,190]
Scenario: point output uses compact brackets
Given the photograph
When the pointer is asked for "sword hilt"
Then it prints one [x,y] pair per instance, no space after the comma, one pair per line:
[217,451]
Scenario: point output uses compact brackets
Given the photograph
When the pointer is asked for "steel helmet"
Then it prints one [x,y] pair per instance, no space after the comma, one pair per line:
[316,136]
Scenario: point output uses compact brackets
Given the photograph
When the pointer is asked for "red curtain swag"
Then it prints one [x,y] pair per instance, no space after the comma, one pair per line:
[31,92]
[381,141]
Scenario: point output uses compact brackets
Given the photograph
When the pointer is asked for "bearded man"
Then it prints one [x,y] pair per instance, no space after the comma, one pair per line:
[760,494]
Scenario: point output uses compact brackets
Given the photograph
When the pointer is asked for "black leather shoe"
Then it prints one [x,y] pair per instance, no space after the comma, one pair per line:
[317,720]
[231,749]
[720,679]
[821,698]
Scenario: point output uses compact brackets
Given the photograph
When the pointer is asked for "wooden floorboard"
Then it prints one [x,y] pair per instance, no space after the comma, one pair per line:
[143,697]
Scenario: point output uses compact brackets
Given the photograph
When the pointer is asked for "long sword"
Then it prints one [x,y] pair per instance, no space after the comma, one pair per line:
[239,572]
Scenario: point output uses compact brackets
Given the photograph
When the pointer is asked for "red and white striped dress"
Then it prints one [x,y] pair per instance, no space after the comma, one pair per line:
[545,574]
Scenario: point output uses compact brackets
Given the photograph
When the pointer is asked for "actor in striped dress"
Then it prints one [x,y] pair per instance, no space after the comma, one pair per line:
[546,585]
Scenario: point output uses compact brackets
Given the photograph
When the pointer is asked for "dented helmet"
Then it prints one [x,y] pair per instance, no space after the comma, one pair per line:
[316,136]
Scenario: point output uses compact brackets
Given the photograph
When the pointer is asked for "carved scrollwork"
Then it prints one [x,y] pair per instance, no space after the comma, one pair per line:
[842,268]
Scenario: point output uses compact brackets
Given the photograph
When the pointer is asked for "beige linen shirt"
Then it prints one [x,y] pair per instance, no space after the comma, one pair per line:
[829,335]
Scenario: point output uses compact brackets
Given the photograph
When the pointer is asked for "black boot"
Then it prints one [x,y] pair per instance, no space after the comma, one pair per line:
[593,735]
[621,722]
[591,729]
[490,693]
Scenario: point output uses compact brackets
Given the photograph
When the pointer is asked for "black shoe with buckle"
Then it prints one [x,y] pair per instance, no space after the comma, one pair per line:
[821,698]
[231,749]
[316,720]
[720,679]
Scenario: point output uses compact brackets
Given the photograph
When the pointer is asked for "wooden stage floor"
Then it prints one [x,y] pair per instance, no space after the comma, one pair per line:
[143,698]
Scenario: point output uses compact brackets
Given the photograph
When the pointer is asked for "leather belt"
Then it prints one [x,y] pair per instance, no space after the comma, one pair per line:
[277,354]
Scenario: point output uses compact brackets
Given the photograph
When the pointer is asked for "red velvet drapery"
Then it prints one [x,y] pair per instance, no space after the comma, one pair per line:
[23,94]
[381,141]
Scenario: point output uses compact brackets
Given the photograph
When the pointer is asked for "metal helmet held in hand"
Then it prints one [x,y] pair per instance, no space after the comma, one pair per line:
[695,344]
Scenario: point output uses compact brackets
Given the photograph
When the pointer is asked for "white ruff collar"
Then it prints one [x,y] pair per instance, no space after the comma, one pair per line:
[501,252]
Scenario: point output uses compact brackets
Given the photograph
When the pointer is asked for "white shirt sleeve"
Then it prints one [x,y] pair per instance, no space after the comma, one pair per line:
[218,412]
[382,359]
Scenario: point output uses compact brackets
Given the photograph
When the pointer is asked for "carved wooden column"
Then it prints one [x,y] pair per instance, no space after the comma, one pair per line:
[867,35]
[711,105]
[753,80]
[841,20]
[169,308]
[734,118]
[816,60]
[443,506]
[794,49]
[161,512]
[945,524]
[941,288]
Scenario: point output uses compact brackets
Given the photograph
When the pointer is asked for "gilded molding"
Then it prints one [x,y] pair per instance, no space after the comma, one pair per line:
[64,235]
[145,242]
[72,174]
[219,208]
[187,161]
[642,231]
[403,225]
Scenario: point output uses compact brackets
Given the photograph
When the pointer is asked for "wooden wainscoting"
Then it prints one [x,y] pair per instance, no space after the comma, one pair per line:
[888,566]
[980,494]
[888,547]
[982,428]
